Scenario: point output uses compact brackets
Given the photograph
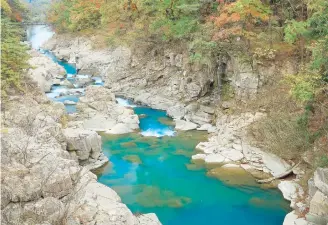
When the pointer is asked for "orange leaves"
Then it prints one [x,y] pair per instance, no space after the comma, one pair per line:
[234,17]
[18,16]
[221,20]
[246,11]
[226,16]
[239,18]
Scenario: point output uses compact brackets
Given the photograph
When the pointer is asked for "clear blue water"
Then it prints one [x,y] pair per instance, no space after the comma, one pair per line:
[69,108]
[154,174]
[69,68]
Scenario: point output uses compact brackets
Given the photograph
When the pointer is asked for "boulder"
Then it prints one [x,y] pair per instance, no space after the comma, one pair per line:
[184,125]
[208,127]
[293,219]
[214,158]
[199,157]
[86,143]
[321,180]
[312,189]
[83,81]
[69,102]
[232,154]
[275,164]
[120,128]
[44,71]
[319,204]
[176,112]
[67,83]
[290,190]
[148,219]
[44,211]
[99,123]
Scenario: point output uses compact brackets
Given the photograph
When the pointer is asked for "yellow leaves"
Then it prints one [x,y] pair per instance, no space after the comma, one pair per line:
[303,85]
[6,7]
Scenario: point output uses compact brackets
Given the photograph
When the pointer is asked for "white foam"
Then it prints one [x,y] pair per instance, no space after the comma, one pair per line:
[70,75]
[80,76]
[97,80]
[59,90]
[38,35]
[124,102]
[158,132]
[52,94]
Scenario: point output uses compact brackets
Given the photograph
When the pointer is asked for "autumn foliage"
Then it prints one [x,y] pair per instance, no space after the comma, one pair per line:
[241,15]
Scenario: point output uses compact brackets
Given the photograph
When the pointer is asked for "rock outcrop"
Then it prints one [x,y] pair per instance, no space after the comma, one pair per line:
[42,180]
[229,142]
[44,71]
[99,111]
[318,202]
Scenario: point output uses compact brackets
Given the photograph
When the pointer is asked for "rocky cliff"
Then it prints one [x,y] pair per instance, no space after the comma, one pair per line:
[42,180]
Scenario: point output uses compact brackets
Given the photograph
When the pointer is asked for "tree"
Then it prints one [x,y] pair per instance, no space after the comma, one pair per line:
[13,52]
[318,31]
[238,18]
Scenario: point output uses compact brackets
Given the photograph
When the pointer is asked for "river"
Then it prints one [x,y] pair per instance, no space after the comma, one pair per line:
[152,171]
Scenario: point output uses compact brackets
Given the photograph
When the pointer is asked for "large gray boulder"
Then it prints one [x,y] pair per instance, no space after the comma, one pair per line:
[99,111]
[185,125]
[319,204]
[321,180]
[86,143]
[275,164]
[44,71]
[293,219]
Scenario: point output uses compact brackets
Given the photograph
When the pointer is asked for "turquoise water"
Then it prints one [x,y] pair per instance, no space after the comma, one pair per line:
[69,108]
[69,68]
[154,174]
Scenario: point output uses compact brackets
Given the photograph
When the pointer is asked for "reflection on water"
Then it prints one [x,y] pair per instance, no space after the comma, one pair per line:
[155,174]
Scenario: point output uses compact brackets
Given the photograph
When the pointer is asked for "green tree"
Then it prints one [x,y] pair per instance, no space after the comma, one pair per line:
[13,53]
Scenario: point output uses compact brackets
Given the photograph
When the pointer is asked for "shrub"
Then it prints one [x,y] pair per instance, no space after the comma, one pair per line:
[283,135]
[303,85]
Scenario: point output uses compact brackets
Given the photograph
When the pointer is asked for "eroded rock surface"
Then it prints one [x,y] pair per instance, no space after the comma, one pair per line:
[44,71]
[99,111]
[42,180]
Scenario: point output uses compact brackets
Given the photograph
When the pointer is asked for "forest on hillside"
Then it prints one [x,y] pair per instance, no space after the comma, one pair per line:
[263,30]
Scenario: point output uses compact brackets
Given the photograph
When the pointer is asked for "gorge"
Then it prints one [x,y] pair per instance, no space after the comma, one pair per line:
[128,128]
